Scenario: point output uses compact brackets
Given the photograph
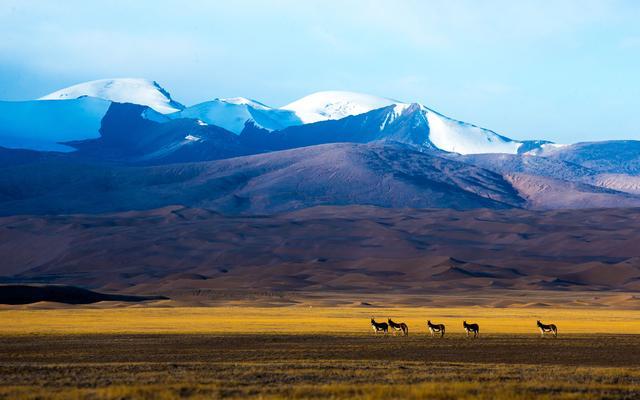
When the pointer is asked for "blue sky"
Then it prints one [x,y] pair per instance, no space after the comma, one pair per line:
[563,70]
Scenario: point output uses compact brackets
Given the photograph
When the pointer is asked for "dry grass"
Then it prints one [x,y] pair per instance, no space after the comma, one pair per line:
[303,366]
[431,390]
[297,319]
[313,353]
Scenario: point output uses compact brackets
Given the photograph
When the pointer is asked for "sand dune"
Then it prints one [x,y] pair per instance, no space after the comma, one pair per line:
[178,251]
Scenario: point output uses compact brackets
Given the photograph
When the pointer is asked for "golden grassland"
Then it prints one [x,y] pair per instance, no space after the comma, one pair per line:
[89,352]
[298,319]
[315,366]
[533,389]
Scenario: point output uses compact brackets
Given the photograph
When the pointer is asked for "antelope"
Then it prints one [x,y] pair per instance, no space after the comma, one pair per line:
[379,326]
[471,328]
[399,327]
[551,328]
[433,328]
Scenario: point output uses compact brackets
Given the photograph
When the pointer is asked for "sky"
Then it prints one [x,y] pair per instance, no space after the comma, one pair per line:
[565,71]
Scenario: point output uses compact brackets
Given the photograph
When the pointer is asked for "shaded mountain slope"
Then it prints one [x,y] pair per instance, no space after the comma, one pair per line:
[126,136]
[552,182]
[614,156]
[334,174]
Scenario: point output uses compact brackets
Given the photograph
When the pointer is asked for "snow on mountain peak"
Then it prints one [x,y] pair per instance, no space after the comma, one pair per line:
[121,90]
[460,137]
[245,101]
[233,113]
[322,106]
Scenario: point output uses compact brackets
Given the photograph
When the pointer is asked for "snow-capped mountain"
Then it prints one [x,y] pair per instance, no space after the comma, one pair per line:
[377,118]
[233,113]
[322,106]
[432,159]
[438,131]
[75,113]
[412,124]
[122,90]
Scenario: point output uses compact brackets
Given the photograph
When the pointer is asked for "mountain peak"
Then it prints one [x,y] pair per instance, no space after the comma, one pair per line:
[335,104]
[121,90]
[245,101]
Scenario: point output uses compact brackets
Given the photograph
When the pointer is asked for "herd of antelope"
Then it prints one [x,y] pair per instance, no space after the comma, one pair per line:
[470,329]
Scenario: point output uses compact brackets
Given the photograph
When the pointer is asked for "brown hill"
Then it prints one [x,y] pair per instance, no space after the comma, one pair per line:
[176,251]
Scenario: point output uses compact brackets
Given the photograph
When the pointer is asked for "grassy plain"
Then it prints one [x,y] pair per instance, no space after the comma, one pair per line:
[303,352]
[298,319]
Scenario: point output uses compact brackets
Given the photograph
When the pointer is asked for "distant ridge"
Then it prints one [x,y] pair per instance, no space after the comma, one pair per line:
[62,153]
[432,129]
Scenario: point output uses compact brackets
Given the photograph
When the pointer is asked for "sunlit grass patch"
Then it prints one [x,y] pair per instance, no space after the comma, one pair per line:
[297,319]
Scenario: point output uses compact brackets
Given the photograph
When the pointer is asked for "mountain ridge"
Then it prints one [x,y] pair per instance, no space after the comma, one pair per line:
[330,174]
[233,114]
[423,155]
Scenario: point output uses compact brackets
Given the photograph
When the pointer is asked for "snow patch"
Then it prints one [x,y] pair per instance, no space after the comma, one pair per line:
[322,106]
[398,110]
[459,137]
[245,101]
[233,114]
[546,149]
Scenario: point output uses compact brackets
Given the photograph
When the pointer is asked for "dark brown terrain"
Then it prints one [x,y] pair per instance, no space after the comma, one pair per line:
[27,294]
[185,252]
[317,366]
